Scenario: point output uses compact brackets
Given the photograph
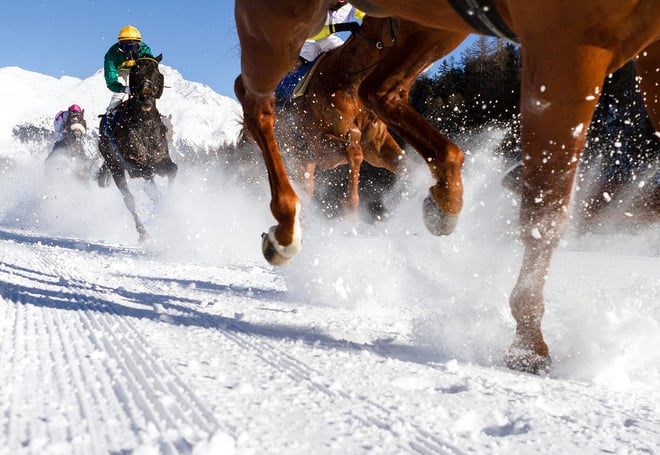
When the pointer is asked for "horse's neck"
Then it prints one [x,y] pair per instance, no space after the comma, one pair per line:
[135,112]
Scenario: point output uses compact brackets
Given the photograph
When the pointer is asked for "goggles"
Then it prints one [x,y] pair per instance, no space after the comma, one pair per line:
[129,46]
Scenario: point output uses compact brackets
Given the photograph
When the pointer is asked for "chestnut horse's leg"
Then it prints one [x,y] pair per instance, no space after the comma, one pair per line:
[386,92]
[349,151]
[384,152]
[271,35]
[282,242]
[303,173]
[648,64]
[561,84]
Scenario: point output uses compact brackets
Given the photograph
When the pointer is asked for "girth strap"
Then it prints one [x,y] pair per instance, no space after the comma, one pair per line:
[482,15]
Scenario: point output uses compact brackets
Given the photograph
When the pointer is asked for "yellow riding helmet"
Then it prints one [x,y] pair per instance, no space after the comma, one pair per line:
[129,33]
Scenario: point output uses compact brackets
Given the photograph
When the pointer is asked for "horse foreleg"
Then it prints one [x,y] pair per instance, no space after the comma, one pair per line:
[386,92]
[302,174]
[129,201]
[171,170]
[559,94]
[269,49]
[283,241]
[152,190]
[346,150]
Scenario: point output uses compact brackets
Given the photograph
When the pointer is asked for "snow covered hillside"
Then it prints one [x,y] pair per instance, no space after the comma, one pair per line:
[202,117]
[376,339]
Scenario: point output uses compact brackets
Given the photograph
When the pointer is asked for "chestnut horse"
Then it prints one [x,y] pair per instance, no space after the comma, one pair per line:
[568,49]
[137,143]
[331,125]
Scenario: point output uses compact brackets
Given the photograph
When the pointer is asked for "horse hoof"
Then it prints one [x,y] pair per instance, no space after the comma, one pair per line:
[527,361]
[275,253]
[437,221]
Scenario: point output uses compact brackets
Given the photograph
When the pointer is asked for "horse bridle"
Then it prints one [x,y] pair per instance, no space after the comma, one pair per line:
[380,43]
[148,82]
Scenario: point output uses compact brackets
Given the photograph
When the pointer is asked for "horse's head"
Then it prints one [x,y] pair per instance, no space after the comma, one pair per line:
[76,124]
[146,81]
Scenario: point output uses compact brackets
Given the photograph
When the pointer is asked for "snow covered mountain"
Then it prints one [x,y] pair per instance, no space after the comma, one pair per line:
[376,339]
[201,117]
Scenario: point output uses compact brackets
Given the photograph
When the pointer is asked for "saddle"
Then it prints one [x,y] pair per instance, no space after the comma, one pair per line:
[295,83]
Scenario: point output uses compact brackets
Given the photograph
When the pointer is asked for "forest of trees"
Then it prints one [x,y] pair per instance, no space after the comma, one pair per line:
[484,88]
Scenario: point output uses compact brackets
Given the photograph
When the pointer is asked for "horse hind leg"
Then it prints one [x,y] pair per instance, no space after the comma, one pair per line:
[352,197]
[559,94]
[152,190]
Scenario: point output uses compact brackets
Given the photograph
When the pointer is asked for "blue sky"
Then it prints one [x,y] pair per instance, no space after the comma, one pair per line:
[67,37]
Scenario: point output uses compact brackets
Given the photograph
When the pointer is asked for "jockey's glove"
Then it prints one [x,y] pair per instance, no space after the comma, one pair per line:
[127,90]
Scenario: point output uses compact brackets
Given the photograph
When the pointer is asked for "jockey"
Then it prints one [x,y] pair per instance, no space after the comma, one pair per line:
[118,62]
[60,122]
[340,18]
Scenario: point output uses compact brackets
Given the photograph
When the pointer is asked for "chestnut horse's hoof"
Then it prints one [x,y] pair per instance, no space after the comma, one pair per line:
[527,361]
[436,220]
[275,253]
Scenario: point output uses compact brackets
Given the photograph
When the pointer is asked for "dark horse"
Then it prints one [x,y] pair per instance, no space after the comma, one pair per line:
[70,155]
[568,48]
[327,126]
[136,140]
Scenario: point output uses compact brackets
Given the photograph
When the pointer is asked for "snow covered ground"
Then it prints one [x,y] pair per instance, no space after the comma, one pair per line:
[376,338]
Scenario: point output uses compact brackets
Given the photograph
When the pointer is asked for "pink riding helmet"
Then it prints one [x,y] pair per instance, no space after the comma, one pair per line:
[75,108]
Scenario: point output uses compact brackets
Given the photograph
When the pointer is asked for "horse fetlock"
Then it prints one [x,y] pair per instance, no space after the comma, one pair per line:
[436,220]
